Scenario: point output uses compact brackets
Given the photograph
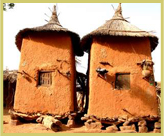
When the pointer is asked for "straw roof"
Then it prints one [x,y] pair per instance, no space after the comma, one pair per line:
[52,26]
[118,26]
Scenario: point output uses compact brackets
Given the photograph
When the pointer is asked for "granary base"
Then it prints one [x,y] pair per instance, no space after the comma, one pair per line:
[53,122]
[124,124]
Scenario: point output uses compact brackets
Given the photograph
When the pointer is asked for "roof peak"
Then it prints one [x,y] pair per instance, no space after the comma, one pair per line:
[54,17]
[118,13]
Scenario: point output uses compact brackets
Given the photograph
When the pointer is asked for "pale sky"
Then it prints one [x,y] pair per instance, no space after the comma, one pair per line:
[81,18]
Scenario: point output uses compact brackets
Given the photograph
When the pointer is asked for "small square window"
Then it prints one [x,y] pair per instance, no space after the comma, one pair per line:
[122,81]
[45,78]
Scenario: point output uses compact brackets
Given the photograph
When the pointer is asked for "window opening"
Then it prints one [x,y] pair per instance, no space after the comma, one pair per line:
[45,78]
[122,81]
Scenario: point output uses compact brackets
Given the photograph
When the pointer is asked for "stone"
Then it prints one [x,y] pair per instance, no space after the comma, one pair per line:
[70,117]
[56,128]
[50,123]
[74,114]
[57,122]
[131,127]
[133,119]
[126,123]
[157,125]
[142,123]
[93,125]
[5,122]
[39,120]
[159,120]
[143,129]
[13,116]
[85,115]
[153,116]
[84,118]
[94,118]
[71,123]
[89,121]
[112,128]
[14,122]
[157,130]
[58,117]
[38,114]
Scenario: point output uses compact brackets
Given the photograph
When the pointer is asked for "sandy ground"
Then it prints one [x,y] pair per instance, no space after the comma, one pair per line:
[34,128]
[39,128]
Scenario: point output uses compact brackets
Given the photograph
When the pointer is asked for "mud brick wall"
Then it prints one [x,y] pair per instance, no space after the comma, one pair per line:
[46,52]
[122,53]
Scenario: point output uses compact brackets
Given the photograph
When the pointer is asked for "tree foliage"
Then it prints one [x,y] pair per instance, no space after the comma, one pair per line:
[8,6]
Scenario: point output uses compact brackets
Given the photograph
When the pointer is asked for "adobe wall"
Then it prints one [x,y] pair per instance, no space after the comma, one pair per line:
[50,52]
[122,53]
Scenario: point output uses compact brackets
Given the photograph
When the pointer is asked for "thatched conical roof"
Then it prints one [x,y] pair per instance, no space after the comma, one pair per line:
[52,26]
[118,26]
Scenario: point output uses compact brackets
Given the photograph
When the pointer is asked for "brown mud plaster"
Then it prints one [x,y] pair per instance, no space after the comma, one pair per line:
[48,60]
[123,45]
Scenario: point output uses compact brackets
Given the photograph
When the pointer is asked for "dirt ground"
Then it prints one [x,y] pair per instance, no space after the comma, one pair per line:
[31,128]
[39,128]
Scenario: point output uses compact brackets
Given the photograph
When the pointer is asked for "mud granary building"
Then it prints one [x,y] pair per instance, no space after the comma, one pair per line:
[121,90]
[46,75]
[121,80]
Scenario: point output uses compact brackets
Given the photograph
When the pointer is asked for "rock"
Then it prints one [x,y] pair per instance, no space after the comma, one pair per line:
[121,119]
[13,116]
[50,123]
[131,127]
[126,123]
[73,114]
[39,120]
[153,117]
[157,131]
[70,117]
[84,118]
[112,129]
[58,117]
[56,128]
[94,118]
[93,125]
[133,119]
[5,122]
[143,129]
[57,122]
[71,123]
[159,120]
[157,125]
[38,114]
[85,115]
[89,121]
[14,122]
[142,123]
